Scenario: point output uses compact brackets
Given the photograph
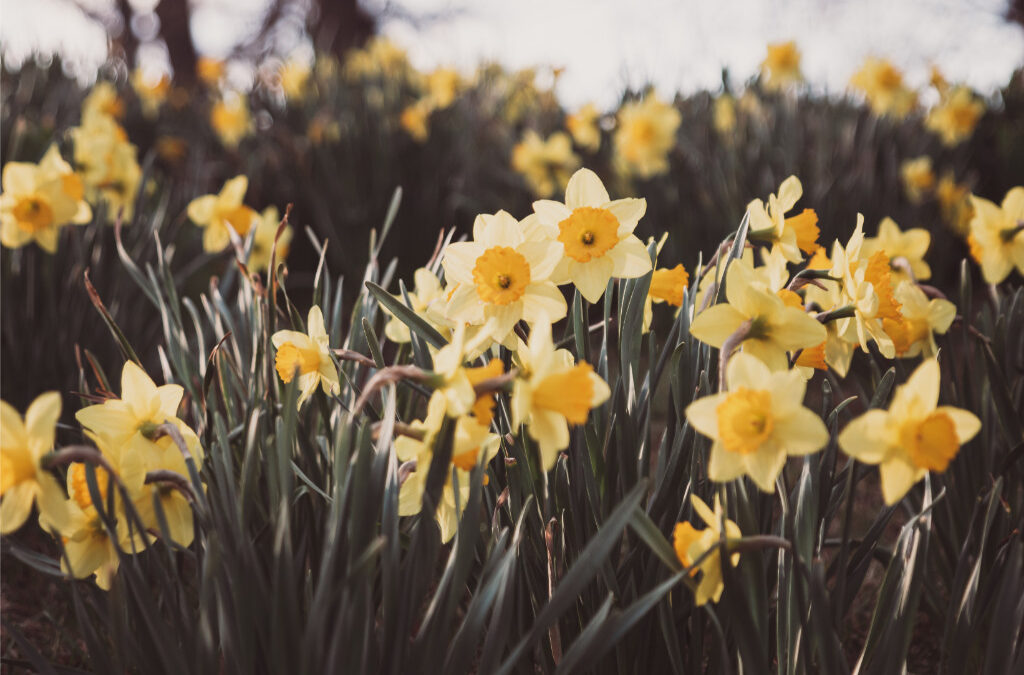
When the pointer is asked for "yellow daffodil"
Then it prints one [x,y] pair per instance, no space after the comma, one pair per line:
[955,203]
[758,423]
[473,444]
[781,66]
[645,135]
[380,57]
[723,116]
[38,199]
[583,125]
[789,235]
[918,177]
[458,381]
[415,118]
[102,100]
[309,355]
[914,436]
[293,78]
[263,240]
[152,91]
[775,328]
[552,393]
[955,117]
[427,298]
[545,164]
[997,235]
[596,235]
[230,119]
[502,277]
[108,164]
[913,332]
[905,250]
[23,481]
[210,71]
[443,86]
[668,284]
[882,84]
[691,543]
[223,213]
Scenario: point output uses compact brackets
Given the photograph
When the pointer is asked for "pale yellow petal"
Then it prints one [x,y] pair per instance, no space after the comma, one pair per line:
[630,258]
[966,423]
[716,323]
[591,278]
[898,476]
[864,437]
[703,415]
[585,189]
[200,209]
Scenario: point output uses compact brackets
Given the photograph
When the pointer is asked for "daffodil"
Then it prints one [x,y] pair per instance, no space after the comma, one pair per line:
[502,277]
[723,116]
[955,203]
[263,240]
[774,327]
[23,480]
[108,164]
[472,444]
[757,424]
[913,332]
[918,177]
[914,436]
[210,71]
[882,84]
[102,100]
[955,117]
[691,543]
[427,298]
[583,125]
[904,248]
[789,235]
[458,381]
[645,135]
[668,284]
[152,91]
[552,393]
[293,78]
[223,213]
[443,86]
[596,235]
[781,66]
[545,164]
[38,199]
[230,119]
[307,355]
[997,235]
[415,118]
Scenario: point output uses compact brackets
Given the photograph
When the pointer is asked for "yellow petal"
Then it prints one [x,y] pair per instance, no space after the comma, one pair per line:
[801,432]
[630,258]
[703,416]
[898,476]
[585,189]
[716,323]
[591,278]
[966,423]
[41,420]
[864,437]
[200,209]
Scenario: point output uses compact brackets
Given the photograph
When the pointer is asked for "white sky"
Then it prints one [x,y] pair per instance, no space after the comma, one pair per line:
[605,44]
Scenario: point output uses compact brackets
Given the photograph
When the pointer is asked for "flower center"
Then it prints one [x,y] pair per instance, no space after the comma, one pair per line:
[79,488]
[588,233]
[15,468]
[906,332]
[813,357]
[568,393]
[879,273]
[501,275]
[931,442]
[240,218]
[669,285]
[806,227]
[291,358]
[466,460]
[33,214]
[745,420]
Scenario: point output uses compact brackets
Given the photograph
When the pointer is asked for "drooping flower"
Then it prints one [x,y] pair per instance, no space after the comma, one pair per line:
[955,117]
[781,66]
[914,436]
[596,235]
[757,424]
[645,135]
[39,199]
[545,164]
[308,355]
[690,544]
[904,248]
[223,213]
[918,177]
[23,481]
[503,276]
[789,235]
[583,125]
[775,328]
[552,393]
[913,332]
[472,444]
[882,84]
[997,235]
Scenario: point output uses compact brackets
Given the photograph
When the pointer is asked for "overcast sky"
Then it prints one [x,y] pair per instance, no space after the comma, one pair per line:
[605,44]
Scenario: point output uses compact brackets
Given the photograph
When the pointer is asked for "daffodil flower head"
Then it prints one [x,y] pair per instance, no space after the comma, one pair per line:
[788,235]
[552,393]
[775,328]
[690,544]
[263,240]
[781,66]
[918,177]
[502,277]
[596,235]
[997,235]
[955,117]
[545,164]
[882,85]
[645,134]
[459,381]
[222,214]
[307,355]
[583,125]
[108,163]
[905,250]
[23,480]
[757,424]
[427,298]
[914,436]
[230,118]
[913,332]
